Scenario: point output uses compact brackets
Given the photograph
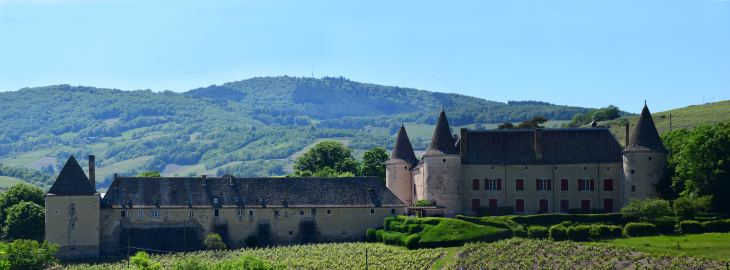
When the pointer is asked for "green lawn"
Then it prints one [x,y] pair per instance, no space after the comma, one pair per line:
[715,246]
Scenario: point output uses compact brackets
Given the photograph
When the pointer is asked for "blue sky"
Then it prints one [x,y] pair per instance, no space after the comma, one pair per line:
[586,53]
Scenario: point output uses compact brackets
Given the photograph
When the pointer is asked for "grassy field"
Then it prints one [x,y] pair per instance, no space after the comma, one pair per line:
[7,181]
[715,246]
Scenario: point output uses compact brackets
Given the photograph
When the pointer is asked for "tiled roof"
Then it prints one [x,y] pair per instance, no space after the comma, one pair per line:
[173,192]
[71,181]
[562,146]
[645,136]
[442,142]
[402,151]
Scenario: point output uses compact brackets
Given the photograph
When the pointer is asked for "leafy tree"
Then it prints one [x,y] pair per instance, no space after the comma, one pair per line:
[674,142]
[25,220]
[373,163]
[20,193]
[687,208]
[506,125]
[423,203]
[533,123]
[608,113]
[214,242]
[36,255]
[330,154]
[141,261]
[154,173]
[647,210]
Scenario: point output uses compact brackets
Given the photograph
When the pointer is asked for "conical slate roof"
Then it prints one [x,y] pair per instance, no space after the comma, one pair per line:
[645,135]
[72,181]
[442,143]
[402,151]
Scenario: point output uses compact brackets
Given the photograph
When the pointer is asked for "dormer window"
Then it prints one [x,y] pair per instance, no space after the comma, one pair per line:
[215,200]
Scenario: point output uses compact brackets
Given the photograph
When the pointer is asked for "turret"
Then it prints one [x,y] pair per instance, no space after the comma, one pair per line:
[644,160]
[442,169]
[397,169]
[72,213]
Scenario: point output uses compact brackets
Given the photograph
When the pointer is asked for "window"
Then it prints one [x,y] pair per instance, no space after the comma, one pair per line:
[329,212]
[154,213]
[608,205]
[106,222]
[301,213]
[72,209]
[564,205]
[140,213]
[633,188]
[475,204]
[543,205]
[106,212]
[215,200]
[494,184]
[475,184]
[276,213]
[286,212]
[192,214]
[165,213]
[291,232]
[240,213]
[433,202]
[632,171]
[563,185]
[519,205]
[125,213]
[585,184]
[314,211]
[607,184]
[73,226]
[372,211]
[542,184]
[250,213]
[520,184]
[392,211]
[216,212]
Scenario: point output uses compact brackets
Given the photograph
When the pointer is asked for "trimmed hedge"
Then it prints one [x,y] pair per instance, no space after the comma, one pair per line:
[505,210]
[576,211]
[597,211]
[558,233]
[639,229]
[379,235]
[558,218]
[605,231]
[720,226]
[393,239]
[394,226]
[386,223]
[665,226]
[454,232]
[370,235]
[412,221]
[431,220]
[579,233]
[690,226]
[484,212]
[520,232]
[566,224]
[414,228]
[617,231]
[538,232]
[486,221]
[411,242]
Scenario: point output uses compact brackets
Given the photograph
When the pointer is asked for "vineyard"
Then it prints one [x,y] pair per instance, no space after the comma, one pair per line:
[517,253]
[346,256]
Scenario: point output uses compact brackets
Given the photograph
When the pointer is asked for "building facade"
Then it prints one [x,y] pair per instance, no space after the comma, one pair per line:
[532,171]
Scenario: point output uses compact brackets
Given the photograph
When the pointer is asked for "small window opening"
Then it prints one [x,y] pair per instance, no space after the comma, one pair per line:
[314,211]
[239,213]
[585,168]
[154,213]
[140,213]
[73,226]
[633,188]
[165,213]
[215,200]
[301,213]
[525,168]
[106,212]
[372,211]
[556,168]
[250,213]
[444,162]
[608,168]
[276,213]
[343,232]
[649,158]
[217,212]
[632,171]
[191,213]
[492,168]
[291,232]
[329,212]
[392,211]
[286,213]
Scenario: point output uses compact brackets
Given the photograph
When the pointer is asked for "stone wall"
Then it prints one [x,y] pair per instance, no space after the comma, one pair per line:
[72,222]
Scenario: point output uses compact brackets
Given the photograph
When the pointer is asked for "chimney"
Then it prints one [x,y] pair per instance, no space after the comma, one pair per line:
[626,136]
[462,143]
[115,181]
[92,177]
[231,180]
[538,143]
[205,181]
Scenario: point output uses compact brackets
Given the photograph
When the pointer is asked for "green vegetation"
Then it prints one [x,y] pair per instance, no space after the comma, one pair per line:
[27,254]
[333,159]
[533,123]
[609,113]
[647,210]
[154,173]
[214,242]
[17,194]
[714,246]
[30,176]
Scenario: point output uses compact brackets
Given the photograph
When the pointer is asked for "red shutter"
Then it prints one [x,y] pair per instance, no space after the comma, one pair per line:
[608,205]
[520,184]
[475,204]
[486,184]
[580,184]
[519,205]
[475,184]
[564,205]
[564,184]
[591,184]
[538,184]
[549,184]
[499,184]
[608,185]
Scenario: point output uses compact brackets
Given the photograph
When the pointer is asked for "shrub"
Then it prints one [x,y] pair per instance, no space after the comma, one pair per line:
[558,233]
[431,221]
[402,219]
[426,227]
[520,232]
[616,231]
[423,203]
[386,222]
[252,241]
[484,212]
[394,226]
[690,226]
[687,208]
[505,210]
[142,261]
[538,232]
[214,242]
[576,211]
[190,263]
[370,235]
[454,232]
[393,238]
[411,242]
[597,211]
[579,233]
[39,255]
[379,236]
[665,225]
[566,224]
[558,218]
[647,210]
[602,231]
[720,226]
[635,229]
[486,221]
[414,228]
[412,221]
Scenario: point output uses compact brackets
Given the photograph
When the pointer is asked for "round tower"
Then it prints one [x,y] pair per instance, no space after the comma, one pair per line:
[397,169]
[442,170]
[644,160]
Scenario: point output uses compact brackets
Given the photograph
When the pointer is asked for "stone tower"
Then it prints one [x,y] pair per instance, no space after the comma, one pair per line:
[72,213]
[397,169]
[644,160]
[442,170]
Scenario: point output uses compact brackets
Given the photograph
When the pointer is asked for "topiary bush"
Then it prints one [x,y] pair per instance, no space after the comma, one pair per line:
[576,211]
[635,229]
[393,238]
[431,221]
[538,232]
[579,233]
[616,231]
[402,219]
[414,228]
[412,221]
[520,232]
[395,226]
[505,210]
[597,211]
[484,212]
[601,231]
[690,226]
[566,224]
[665,225]
[411,242]
[370,235]
[558,233]
[379,236]
[386,222]
[719,226]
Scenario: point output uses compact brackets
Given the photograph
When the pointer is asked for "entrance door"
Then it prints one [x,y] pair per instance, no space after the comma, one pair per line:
[564,205]
[475,203]
[586,205]
[543,205]
[608,205]
[519,205]
[493,206]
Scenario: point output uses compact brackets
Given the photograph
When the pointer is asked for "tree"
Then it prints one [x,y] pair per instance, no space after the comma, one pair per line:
[20,193]
[533,123]
[687,208]
[154,173]
[373,163]
[423,203]
[214,242]
[647,210]
[330,154]
[25,220]
[506,125]
[35,255]
[141,261]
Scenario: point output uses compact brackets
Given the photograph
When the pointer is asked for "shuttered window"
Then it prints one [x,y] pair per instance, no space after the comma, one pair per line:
[563,184]
[607,184]
[520,184]
[519,205]
[475,184]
